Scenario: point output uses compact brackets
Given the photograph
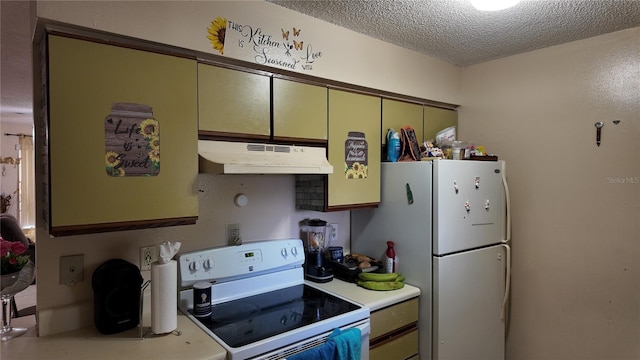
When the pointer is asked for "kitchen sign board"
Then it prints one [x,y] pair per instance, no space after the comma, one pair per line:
[132,141]
[356,153]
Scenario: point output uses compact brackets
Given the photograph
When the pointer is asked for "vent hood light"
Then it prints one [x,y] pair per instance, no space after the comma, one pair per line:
[493,5]
[223,157]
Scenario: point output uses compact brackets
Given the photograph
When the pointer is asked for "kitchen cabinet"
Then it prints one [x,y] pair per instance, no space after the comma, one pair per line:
[398,114]
[233,103]
[299,112]
[436,119]
[354,152]
[117,137]
[394,332]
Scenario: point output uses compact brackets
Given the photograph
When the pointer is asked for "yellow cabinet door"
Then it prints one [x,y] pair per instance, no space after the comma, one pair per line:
[110,168]
[299,111]
[233,103]
[354,150]
[397,114]
[436,119]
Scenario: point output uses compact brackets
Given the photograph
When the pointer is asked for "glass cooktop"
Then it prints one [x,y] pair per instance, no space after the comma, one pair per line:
[247,320]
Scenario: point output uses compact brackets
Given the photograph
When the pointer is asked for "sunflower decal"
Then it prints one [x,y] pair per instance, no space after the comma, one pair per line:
[111,161]
[216,33]
[132,141]
[356,171]
[149,128]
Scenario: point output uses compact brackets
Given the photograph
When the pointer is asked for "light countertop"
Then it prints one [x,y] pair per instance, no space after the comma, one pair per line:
[374,300]
[88,343]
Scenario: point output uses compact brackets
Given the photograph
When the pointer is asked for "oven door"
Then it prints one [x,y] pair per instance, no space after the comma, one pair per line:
[319,340]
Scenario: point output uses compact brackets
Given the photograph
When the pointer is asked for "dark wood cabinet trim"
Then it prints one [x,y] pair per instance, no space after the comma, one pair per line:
[120,226]
[233,137]
[392,335]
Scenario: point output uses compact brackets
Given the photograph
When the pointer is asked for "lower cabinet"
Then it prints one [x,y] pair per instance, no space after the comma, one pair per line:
[394,332]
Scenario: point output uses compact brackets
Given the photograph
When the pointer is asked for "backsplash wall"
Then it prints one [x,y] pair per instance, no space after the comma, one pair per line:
[270,214]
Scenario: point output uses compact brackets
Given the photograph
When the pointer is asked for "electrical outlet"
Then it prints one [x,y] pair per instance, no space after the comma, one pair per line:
[71,269]
[148,255]
[233,234]
[333,236]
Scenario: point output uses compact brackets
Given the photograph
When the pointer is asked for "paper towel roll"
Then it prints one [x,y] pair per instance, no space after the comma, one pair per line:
[164,297]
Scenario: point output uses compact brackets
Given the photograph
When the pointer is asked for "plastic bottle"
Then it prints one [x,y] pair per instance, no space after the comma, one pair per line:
[390,261]
[393,145]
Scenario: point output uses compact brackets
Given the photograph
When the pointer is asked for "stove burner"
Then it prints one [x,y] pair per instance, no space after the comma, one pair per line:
[234,311]
[244,321]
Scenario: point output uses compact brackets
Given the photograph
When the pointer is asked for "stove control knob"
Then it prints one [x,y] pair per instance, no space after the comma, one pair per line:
[207,264]
[194,266]
[283,252]
[294,251]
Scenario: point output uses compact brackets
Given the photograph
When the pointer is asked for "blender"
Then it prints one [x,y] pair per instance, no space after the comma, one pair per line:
[316,238]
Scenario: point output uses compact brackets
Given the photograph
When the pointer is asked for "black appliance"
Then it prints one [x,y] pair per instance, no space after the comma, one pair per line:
[116,302]
[317,266]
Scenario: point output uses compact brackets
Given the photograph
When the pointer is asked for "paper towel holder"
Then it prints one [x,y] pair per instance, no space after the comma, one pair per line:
[149,334]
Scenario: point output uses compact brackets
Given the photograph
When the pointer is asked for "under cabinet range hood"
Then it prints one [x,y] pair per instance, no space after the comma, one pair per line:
[248,158]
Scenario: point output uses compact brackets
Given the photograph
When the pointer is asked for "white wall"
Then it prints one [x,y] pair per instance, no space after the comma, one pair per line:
[576,206]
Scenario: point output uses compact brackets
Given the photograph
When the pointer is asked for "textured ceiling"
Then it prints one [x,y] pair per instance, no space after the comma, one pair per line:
[454,31]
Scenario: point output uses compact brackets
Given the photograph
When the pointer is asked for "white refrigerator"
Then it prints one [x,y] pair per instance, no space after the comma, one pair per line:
[449,220]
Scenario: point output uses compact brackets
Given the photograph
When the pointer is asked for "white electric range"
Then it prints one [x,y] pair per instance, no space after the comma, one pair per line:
[262,308]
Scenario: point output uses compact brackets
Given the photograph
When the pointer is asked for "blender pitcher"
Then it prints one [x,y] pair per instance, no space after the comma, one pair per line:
[317,239]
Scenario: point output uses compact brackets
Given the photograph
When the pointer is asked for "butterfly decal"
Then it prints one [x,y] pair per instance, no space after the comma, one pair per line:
[297,45]
[285,34]
[296,32]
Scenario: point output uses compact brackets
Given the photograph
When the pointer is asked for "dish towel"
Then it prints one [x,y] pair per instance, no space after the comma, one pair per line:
[348,343]
[341,345]
[326,351]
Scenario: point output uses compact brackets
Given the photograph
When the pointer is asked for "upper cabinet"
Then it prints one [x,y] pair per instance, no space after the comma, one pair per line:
[436,119]
[398,114]
[238,104]
[299,111]
[117,138]
[233,103]
[354,150]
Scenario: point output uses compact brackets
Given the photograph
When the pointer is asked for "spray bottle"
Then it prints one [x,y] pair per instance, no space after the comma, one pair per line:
[393,145]
[390,261]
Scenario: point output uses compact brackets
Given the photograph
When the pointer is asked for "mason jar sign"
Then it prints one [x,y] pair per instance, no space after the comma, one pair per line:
[356,154]
[132,141]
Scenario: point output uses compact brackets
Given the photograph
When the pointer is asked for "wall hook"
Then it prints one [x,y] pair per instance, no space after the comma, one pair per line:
[599,126]
[616,122]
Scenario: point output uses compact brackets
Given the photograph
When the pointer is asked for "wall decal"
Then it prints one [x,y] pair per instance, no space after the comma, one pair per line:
[285,48]
[132,141]
[217,33]
[356,154]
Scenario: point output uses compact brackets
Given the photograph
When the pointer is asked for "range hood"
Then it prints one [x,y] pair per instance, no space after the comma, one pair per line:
[222,157]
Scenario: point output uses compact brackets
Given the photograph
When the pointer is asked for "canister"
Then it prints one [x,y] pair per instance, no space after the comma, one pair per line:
[202,299]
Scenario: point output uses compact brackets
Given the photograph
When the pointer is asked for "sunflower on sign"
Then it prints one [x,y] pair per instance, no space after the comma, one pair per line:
[217,31]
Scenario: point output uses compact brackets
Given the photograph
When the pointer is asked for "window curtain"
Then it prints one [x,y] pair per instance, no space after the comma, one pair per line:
[26,180]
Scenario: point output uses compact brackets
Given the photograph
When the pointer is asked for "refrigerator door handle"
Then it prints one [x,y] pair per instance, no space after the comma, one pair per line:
[507,284]
[507,205]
